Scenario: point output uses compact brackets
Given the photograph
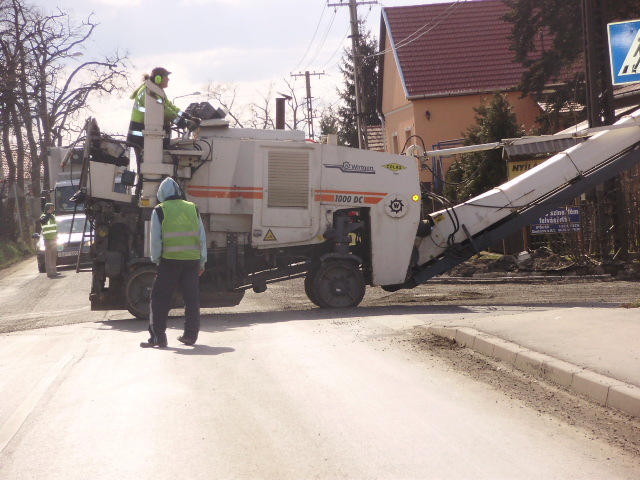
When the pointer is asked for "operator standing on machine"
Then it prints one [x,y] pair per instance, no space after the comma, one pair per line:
[179,248]
[160,77]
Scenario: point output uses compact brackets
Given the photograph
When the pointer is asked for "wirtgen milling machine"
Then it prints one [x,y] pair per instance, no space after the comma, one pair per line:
[277,207]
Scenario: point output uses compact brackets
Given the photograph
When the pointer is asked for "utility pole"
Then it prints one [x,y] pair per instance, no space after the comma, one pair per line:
[357,64]
[307,77]
[601,111]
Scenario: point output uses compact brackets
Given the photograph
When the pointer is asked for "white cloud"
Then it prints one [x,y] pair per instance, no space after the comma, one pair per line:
[97,4]
[249,43]
[200,3]
[101,5]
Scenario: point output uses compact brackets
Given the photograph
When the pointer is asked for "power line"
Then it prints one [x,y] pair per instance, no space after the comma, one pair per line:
[324,9]
[307,76]
[334,53]
[355,37]
[324,39]
[336,66]
[408,40]
[344,37]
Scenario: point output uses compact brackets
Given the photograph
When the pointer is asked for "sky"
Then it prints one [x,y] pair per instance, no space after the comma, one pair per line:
[252,44]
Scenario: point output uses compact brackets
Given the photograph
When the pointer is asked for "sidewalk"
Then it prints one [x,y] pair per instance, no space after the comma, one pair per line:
[591,351]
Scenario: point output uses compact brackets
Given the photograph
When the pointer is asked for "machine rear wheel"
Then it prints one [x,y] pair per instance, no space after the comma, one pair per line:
[338,284]
[308,285]
[138,291]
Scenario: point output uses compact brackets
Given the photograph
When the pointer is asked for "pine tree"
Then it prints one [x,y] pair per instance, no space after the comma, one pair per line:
[478,172]
[556,25]
[328,122]
[348,125]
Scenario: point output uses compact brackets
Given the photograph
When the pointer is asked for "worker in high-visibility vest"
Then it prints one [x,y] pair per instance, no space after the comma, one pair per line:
[172,114]
[179,248]
[50,234]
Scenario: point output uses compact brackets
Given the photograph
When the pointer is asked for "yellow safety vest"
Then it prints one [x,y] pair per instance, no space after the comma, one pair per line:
[180,230]
[50,229]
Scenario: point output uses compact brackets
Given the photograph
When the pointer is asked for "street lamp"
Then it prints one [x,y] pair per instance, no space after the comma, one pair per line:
[187,95]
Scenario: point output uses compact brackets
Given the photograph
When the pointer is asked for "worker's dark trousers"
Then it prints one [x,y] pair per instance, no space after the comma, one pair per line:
[169,275]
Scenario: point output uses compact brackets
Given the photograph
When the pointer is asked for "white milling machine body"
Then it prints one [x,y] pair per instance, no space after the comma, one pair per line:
[280,191]
[275,207]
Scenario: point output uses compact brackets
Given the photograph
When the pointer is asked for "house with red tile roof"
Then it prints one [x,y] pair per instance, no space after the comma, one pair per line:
[437,63]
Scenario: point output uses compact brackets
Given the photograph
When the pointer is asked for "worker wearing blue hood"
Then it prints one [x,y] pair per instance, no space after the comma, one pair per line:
[179,248]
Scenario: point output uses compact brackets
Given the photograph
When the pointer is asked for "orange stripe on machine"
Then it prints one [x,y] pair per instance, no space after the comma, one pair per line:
[225,192]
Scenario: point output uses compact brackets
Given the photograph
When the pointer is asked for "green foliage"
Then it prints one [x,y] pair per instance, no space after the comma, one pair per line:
[547,39]
[329,123]
[12,252]
[478,172]
[347,123]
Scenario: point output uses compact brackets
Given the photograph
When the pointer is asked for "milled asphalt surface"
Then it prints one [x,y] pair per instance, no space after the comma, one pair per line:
[591,351]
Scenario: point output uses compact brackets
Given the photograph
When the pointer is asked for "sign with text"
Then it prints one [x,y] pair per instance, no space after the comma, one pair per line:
[560,220]
[518,167]
[624,49]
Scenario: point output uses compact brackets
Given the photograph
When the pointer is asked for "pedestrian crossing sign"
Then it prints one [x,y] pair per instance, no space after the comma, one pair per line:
[624,49]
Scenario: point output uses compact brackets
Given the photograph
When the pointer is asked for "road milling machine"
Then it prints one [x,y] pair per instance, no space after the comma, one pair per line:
[276,206]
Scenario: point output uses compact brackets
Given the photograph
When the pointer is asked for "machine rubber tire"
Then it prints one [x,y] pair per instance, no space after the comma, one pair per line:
[338,284]
[97,277]
[138,291]
[308,285]
[392,288]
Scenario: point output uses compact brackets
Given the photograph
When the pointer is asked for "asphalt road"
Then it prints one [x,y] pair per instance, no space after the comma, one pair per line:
[278,393]
[30,300]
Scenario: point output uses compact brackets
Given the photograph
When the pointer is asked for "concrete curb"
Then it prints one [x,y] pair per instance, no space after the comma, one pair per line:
[605,390]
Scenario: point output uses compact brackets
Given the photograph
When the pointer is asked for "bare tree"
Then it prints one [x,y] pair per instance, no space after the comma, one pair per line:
[225,95]
[297,107]
[60,94]
[43,96]
[256,114]
[262,113]
[8,100]
[261,116]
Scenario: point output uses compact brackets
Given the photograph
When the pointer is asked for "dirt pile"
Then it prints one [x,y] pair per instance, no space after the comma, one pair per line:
[543,262]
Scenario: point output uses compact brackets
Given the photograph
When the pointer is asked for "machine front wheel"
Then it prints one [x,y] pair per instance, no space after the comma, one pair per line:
[338,284]
[138,291]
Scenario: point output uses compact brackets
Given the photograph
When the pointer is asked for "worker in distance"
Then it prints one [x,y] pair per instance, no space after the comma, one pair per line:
[50,234]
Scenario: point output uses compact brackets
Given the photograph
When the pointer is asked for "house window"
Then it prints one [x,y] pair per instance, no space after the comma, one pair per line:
[408,133]
[394,143]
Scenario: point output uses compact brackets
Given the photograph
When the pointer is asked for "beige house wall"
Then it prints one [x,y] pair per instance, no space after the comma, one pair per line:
[393,96]
[398,111]
[448,119]
[399,126]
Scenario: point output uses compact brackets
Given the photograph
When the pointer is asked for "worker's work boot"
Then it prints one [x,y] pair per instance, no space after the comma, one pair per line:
[154,342]
[186,340]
